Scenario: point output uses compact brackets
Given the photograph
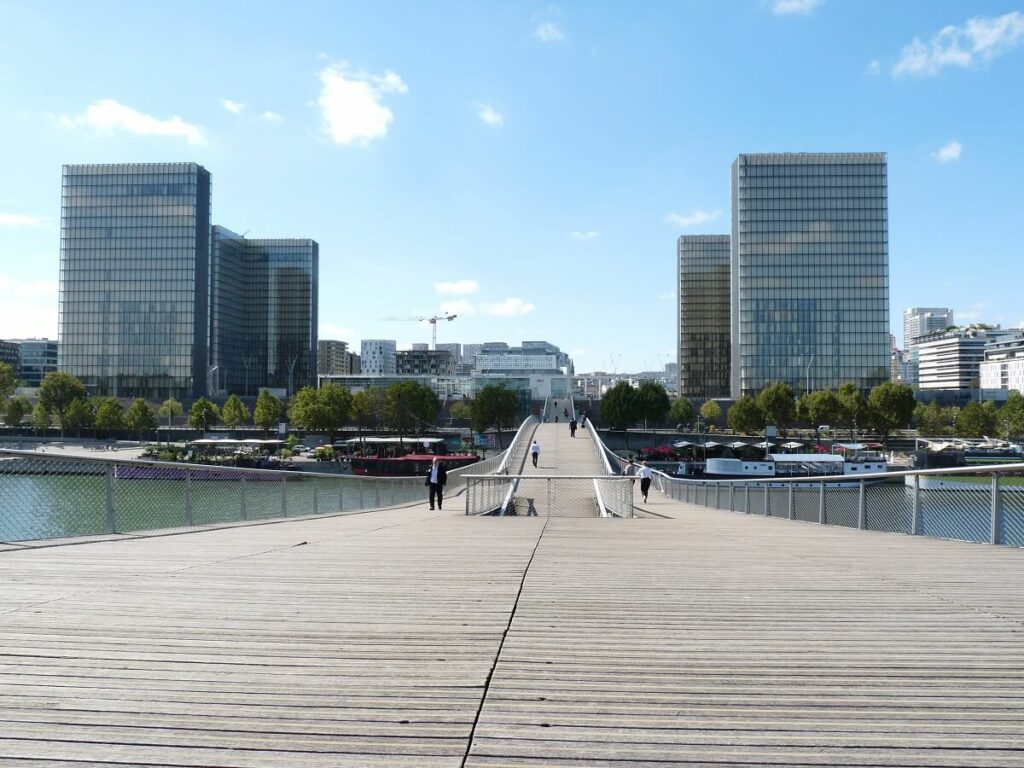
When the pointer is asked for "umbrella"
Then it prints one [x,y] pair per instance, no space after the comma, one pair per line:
[737,444]
[764,444]
[792,444]
[711,444]
[682,444]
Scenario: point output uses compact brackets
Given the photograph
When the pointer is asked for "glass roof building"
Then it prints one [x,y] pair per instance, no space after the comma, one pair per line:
[809,271]
[703,317]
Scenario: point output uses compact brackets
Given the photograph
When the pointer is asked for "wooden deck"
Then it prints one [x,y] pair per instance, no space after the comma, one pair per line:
[416,638]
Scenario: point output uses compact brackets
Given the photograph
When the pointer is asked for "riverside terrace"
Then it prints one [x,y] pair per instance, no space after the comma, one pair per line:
[410,637]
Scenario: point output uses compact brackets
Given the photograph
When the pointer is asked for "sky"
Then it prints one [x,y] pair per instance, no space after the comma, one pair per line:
[527,167]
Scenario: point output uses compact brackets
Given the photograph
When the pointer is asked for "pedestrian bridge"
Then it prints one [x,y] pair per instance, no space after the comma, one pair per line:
[410,637]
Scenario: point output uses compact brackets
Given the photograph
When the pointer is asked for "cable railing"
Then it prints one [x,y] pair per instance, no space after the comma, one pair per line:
[979,503]
[549,496]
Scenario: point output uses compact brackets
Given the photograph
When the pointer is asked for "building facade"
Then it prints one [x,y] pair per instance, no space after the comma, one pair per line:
[134,260]
[332,357]
[10,353]
[263,313]
[37,357]
[919,322]
[1003,364]
[809,292]
[702,325]
[455,350]
[377,357]
[424,362]
[951,360]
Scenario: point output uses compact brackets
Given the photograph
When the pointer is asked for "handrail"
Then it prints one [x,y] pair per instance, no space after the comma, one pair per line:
[529,421]
[602,450]
[972,470]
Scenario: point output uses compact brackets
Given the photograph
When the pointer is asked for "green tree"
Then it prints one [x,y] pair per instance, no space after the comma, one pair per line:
[681,412]
[368,409]
[777,405]
[57,392]
[933,421]
[1010,418]
[140,418]
[109,415]
[268,411]
[40,419]
[203,414]
[975,421]
[852,407]
[620,406]
[818,407]
[495,405]
[890,406]
[653,402]
[79,414]
[170,409]
[745,417]
[409,406]
[710,411]
[461,410]
[7,382]
[234,413]
[17,408]
[321,410]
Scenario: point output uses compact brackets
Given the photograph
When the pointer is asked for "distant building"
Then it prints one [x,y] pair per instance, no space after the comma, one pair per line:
[354,363]
[951,360]
[1003,363]
[470,351]
[703,315]
[419,346]
[10,353]
[917,323]
[332,357]
[454,349]
[378,357]
[424,362]
[37,358]
[809,271]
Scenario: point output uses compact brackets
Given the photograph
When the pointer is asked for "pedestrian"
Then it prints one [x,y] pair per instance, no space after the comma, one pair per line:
[535,452]
[565,412]
[630,471]
[572,428]
[583,420]
[645,474]
[556,418]
[437,476]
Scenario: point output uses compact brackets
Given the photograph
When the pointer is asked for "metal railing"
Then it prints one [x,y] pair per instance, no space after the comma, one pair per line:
[549,495]
[982,504]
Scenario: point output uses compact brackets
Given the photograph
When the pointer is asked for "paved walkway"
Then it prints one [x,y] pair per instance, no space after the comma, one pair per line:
[414,638]
[560,454]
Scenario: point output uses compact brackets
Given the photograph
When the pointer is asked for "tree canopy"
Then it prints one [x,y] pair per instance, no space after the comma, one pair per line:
[495,405]
[777,405]
[620,406]
[234,413]
[1010,418]
[16,410]
[321,410]
[409,407]
[653,403]
[57,392]
[203,414]
[139,417]
[852,406]
[710,411]
[745,417]
[368,408]
[170,409]
[78,415]
[109,415]
[818,407]
[268,411]
[890,406]
[682,411]
[7,382]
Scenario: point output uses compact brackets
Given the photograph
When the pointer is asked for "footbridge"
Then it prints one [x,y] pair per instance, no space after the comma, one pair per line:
[708,633]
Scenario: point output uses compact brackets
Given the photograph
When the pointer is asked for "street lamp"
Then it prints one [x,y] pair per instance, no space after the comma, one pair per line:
[807,391]
[209,378]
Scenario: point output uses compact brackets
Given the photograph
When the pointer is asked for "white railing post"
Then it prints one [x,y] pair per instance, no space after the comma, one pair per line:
[341,495]
[316,499]
[821,502]
[790,500]
[188,497]
[862,513]
[109,482]
[997,511]
[241,499]
[746,498]
[284,495]
[767,502]
[915,524]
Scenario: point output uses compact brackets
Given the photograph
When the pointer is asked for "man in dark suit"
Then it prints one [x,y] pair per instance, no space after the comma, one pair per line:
[437,476]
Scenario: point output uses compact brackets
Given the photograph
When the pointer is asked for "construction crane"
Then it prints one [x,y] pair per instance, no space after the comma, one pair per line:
[433,324]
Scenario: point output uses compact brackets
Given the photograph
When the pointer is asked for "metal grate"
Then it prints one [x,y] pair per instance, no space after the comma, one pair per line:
[533,495]
[956,511]
[1012,525]
[889,507]
[841,506]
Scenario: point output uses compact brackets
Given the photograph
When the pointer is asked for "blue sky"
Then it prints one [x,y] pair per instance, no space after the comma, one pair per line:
[527,166]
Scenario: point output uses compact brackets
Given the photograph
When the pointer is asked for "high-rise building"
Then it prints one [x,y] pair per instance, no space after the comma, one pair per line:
[424,362]
[332,357]
[703,316]
[917,323]
[377,357]
[952,360]
[10,353]
[454,349]
[36,357]
[1003,366]
[263,313]
[809,271]
[134,262]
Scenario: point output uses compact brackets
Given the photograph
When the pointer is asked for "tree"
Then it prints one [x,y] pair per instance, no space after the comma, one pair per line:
[710,411]
[776,403]
[745,417]
[933,421]
[80,414]
[109,415]
[321,410]
[336,402]
[620,407]
[203,414]
[40,419]
[818,407]
[852,407]
[140,418]
[652,402]
[890,405]
[1010,419]
[408,406]
[461,410]
[975,421]
[234,413]
[495,405]
[170,409]
[268,411]
[17,408]
[57,392]
[368,408]
[7,382]
[681,412]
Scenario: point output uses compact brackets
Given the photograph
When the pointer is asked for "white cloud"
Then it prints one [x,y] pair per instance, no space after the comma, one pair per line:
[949,152]
[693,218]
[548,32]
[19,220]
[874,67]
[979,40]
[107,115]
[328,330]
[490,115]
[972,312]
[351,103]
[588,235]
[232,106]
[460,287]
[458,307]
[272,117]
[510,307]
[793,7]
[30,308]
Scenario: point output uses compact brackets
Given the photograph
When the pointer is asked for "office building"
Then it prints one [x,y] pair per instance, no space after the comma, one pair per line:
[1003,363]
[951,360]
[469,351]
[424,362]
[809,291]
[37,357]
[419,346]
[455,350]
[134,261]
[332,357]
[702,325]
[10,353]
[918,322]
[377,357]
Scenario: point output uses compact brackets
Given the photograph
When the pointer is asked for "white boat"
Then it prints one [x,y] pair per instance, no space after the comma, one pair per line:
[856,462]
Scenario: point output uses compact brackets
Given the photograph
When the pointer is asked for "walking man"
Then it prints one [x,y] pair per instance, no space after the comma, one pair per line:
[645,474]
[535,452]
[572,428]
[437,476]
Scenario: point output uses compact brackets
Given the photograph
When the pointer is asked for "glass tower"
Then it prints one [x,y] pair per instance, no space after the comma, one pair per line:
[703,325]
[134,255]
[810,271]
[263,313]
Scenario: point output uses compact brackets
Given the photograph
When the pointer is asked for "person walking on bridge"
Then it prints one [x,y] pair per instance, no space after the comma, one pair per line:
[535,452]
[572,428]
[645,474]
[437,476]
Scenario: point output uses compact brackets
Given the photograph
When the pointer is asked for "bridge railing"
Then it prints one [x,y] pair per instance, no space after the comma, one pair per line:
[982,504]
[549,495]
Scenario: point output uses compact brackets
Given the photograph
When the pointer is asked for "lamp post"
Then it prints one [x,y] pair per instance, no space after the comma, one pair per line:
[807,391]
[209,379]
